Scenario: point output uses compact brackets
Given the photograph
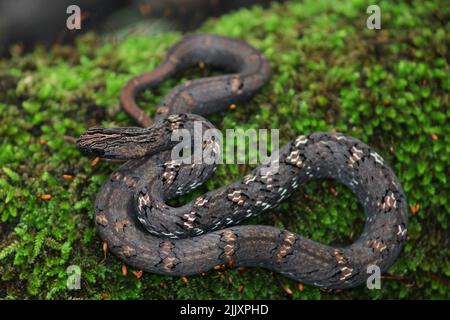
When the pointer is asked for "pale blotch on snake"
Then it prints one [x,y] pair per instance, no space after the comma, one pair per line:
[132,215]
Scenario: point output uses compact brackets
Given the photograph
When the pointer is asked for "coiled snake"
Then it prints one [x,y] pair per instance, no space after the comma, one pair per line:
[145,232]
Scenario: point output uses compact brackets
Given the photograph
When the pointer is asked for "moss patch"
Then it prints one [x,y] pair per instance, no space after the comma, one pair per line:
[389,88]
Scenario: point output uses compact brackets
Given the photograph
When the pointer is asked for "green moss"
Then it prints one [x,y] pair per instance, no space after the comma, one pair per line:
[389,88]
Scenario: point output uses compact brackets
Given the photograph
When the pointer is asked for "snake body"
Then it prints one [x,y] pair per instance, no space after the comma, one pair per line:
[133,217]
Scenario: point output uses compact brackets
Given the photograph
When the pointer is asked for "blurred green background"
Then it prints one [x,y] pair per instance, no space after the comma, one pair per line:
[388,87]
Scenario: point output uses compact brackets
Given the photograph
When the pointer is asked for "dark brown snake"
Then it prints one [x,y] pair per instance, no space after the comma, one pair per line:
[140,228]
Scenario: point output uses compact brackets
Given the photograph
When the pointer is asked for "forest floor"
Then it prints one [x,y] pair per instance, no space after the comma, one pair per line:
[388,88]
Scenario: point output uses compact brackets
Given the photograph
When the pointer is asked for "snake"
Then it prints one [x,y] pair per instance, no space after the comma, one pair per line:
[133,216]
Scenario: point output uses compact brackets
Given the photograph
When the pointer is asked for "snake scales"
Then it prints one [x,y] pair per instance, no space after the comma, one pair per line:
[145,232]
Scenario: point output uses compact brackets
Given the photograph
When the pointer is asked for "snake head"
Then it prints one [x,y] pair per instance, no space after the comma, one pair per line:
[133,142]
[118,143]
